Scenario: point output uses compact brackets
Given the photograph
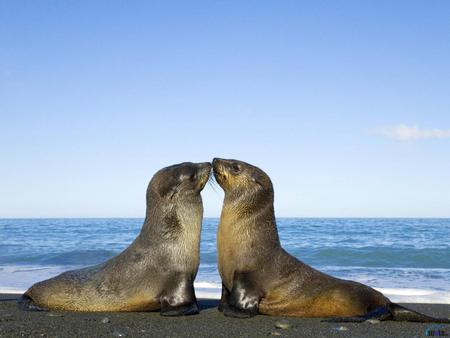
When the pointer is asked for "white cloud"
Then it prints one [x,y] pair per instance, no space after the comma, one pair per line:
[402,132]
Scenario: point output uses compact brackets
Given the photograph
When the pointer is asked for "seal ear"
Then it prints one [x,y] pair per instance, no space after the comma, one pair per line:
[167,189]
[257,178]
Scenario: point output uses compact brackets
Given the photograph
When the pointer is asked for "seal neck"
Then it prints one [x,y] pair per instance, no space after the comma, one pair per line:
[249,219]
[172,220]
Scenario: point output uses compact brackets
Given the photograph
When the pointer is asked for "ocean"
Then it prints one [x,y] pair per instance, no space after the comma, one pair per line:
[406,259]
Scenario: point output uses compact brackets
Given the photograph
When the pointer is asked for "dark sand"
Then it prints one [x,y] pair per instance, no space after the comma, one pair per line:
[209,323]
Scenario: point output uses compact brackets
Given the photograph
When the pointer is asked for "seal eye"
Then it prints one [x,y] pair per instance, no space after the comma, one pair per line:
[235,168]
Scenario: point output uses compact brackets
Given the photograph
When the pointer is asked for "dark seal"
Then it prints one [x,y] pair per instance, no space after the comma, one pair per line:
[259,276]
[156,271]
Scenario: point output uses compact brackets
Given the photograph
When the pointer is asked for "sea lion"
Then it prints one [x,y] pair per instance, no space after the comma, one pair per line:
[259,276]
[156,271]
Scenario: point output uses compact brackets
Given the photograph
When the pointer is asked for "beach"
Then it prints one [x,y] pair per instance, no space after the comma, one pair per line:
[209,323]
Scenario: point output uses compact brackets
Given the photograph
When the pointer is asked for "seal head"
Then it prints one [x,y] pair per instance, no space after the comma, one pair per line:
[247,188]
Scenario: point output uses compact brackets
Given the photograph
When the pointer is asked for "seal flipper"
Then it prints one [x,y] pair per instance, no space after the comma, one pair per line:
[381,313]
[179,299]
[243,300]
[26,303]
[401,313]
[223,298]
[390,312]
[184,309]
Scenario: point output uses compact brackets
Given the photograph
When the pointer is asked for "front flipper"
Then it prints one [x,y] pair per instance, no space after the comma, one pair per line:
[223,298]
[243,299]
[179,298]
[26,303]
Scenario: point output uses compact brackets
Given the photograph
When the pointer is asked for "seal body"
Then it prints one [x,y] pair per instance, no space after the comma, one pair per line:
[259,276]
[156,271]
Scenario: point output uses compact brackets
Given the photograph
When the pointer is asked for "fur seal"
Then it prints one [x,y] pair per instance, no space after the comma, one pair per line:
[156,271]
[259,276]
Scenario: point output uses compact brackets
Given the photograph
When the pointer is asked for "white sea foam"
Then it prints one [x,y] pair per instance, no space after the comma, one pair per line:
[17,279]
[416,295]
[7,290]
[209,290]
[398,295]
[207,285]
[395,295]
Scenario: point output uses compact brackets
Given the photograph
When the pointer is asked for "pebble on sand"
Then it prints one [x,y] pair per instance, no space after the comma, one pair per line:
[341,328]
[283,324]
[373,321]
[119,334]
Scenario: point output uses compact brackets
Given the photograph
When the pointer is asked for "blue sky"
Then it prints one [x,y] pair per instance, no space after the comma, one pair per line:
[344,104]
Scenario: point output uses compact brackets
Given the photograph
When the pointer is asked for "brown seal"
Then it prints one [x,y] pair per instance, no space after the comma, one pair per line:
[259,276]
[156,271]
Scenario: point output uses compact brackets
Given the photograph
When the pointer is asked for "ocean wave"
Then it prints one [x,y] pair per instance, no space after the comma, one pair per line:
[74,257]
[383,253]
[397,295]
[370,256]
[7,290]
[340,268]
[17,279]
[208,285]
[407,295]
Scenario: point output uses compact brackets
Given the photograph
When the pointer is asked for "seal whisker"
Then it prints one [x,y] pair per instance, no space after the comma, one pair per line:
[212,182]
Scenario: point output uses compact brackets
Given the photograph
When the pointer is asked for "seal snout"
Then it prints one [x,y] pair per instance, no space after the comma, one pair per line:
[203,172]
[222,166]
[215,162]
[205,166]
[219,169]
[219,164]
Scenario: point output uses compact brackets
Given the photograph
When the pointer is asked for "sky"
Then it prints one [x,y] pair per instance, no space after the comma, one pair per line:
[345,105]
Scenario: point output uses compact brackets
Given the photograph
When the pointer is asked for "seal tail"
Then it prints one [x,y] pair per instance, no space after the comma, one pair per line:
[26,303]
[391,311]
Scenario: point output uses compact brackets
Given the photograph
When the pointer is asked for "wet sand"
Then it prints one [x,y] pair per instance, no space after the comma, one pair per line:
[209,323]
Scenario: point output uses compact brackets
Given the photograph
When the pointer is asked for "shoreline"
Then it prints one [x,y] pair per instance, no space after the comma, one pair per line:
[207,290]
[209,323]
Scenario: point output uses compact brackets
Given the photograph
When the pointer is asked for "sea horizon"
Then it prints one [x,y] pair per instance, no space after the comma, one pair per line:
[218,217]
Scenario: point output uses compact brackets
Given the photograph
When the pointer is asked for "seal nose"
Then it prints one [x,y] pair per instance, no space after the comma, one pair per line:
[216,161]
[205,166]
